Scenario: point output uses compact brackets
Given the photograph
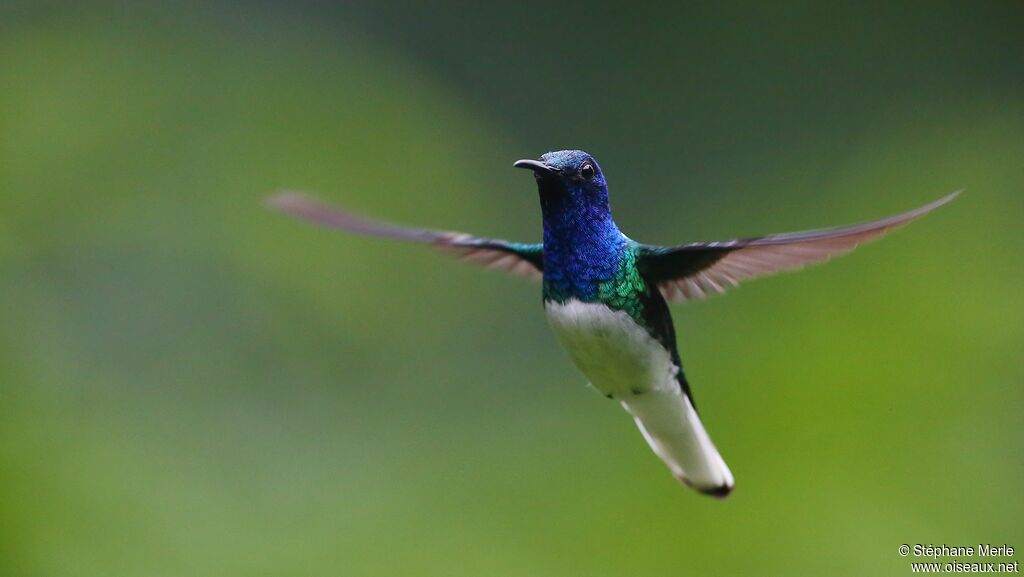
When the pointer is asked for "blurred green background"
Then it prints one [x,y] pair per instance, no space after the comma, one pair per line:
[192,385]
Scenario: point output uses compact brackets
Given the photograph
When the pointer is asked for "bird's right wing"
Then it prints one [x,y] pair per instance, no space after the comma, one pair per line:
[513,257]
[695,270]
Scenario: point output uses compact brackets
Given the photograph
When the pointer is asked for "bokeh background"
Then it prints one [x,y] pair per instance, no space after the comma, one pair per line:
[192,385]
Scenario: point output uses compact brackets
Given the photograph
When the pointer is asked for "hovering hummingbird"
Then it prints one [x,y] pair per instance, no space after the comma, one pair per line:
[606,295]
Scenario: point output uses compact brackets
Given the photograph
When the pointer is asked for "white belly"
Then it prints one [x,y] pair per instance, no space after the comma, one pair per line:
[620,357]
[624,361]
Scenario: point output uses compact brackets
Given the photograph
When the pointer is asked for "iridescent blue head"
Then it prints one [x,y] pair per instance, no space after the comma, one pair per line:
[582,245]
[569,180]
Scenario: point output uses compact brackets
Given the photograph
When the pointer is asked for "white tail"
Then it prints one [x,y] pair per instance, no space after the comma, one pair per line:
[672,428]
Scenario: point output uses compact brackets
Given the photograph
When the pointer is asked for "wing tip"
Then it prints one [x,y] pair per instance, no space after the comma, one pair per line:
[308,208]
[905,218]
[942,201]
[289,201]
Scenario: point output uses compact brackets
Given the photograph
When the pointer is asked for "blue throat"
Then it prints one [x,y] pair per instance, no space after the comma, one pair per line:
[582,244]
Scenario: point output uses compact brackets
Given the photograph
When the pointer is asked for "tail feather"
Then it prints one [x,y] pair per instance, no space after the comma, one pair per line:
[675,433]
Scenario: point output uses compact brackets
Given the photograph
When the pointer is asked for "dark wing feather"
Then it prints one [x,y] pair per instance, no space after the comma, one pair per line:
[517,258]
[696,270]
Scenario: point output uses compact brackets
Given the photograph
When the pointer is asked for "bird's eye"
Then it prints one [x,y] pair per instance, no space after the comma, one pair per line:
[587,171]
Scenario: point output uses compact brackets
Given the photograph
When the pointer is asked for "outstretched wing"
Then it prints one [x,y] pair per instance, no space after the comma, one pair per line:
[696,270]
[517,258]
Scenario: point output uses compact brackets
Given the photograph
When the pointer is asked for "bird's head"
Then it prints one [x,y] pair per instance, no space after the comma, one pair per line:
[569,179]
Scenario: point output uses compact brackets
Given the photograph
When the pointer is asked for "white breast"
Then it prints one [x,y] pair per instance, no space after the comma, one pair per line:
[620,357]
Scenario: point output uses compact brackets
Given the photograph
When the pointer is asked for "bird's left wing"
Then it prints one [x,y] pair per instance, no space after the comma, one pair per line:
[696,270]
[517,258]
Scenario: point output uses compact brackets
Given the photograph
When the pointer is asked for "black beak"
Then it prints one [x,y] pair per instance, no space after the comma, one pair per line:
[536,166]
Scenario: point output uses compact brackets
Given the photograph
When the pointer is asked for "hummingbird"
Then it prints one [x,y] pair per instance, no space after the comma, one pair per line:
[606,296]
